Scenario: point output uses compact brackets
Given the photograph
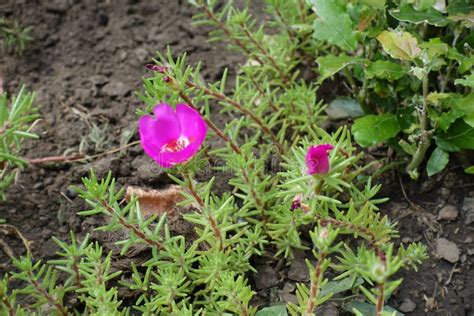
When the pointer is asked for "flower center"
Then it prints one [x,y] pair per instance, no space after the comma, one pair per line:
[176,145]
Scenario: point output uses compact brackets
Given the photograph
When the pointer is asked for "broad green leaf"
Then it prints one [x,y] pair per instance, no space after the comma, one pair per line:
[367,309]
[459,136]
[447,118]
[437,162]
[435,98]
[469,170]
[330,65]
[407,147]
[343,107]
[467,81]
[466,104]
[399,45]
[277,310]
[407,118]
[465,62]
[374,129]
[385,69]
[345,284]
[377,4]
[333,24]
[435,47]
[407,13]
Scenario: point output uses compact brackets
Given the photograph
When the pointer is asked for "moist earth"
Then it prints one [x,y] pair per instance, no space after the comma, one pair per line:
[86,62]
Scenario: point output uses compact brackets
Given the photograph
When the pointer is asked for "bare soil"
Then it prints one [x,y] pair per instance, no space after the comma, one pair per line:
[85,62]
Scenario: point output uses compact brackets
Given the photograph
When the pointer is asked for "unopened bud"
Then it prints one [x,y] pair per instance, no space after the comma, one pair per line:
[157,68]
[324,233]
[296,202]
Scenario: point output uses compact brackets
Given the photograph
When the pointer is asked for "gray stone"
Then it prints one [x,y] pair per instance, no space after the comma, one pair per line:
[468,210]
[98,80]
[115,89]
[142,54]
[58,6]
[407,306]
[265,277]
[448,213]
[288,297]
[299,270]
[447,250]
[342,108]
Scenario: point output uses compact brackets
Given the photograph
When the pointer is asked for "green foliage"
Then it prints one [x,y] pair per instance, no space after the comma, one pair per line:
[13,37]
[406,54]
[274,110]
[16,115]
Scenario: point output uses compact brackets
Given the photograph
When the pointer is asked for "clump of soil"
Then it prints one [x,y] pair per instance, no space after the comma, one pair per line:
[85,62]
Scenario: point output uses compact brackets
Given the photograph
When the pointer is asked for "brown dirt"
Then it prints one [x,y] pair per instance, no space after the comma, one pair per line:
[85,62]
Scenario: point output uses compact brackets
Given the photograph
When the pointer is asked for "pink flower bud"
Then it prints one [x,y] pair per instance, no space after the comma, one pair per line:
[317,160]
[160,69]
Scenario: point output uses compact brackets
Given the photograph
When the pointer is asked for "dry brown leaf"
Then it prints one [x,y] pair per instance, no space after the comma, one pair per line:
[154,202]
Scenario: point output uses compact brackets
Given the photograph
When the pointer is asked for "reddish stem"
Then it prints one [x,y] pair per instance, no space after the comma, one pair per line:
[201,203]
[380,299]
[42,160]
[211,125]
[239,107]
[227,32]
[61,309]
[315,286]
[130,227]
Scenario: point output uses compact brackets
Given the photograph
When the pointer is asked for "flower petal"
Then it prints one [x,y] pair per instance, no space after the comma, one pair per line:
[155,133]
[317,160]
[169,159]
[163,110]
[192,125]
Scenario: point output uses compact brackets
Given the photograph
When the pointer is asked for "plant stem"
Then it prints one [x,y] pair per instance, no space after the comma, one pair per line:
[301,9]
[287,27]
[211,125]
[425,139]
[262,93]
[76,272]
[262,49]
[239,107]
[380,299]
[381,286]
[79,157]
[130,227]
[313,294]
[236,149]
[202,205]
[228,33]
[363,231]
[256,199]
[6,302]
[61,309]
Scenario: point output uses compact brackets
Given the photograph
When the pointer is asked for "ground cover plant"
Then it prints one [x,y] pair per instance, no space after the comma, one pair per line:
[294,186]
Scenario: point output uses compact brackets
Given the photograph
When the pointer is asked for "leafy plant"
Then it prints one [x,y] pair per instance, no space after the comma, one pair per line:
[14,37]
[16,115]
[287,174]
[409,65]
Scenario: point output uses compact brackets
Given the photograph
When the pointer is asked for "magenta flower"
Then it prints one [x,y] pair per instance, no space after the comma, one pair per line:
[317,160]
[172,137]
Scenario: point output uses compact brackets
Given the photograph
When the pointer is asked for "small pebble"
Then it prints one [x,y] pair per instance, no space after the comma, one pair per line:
[448,213]
[407,306]
[447,250]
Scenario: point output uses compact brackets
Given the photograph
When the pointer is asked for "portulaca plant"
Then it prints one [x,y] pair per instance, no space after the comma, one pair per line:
[295,187]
